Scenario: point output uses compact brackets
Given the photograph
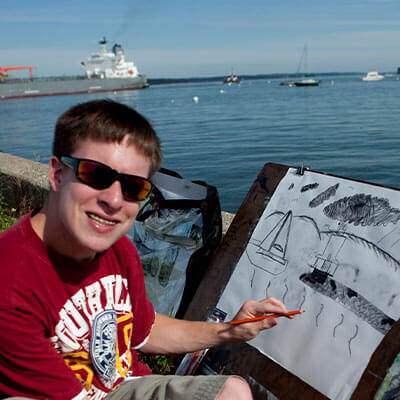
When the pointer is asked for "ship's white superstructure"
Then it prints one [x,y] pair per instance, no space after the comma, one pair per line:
[109,64]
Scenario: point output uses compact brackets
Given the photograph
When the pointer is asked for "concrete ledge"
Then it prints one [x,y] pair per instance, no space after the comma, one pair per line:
[227,219]
[24,185]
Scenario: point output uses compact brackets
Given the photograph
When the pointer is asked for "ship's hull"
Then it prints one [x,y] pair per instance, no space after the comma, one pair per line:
[55,87]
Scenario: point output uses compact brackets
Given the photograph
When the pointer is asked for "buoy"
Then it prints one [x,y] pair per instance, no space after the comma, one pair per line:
[195,99]
[222,91]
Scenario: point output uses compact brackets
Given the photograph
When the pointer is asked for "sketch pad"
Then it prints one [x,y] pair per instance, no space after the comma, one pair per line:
[324,244]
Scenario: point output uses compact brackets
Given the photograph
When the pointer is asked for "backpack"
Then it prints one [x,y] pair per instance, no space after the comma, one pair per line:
[176,233]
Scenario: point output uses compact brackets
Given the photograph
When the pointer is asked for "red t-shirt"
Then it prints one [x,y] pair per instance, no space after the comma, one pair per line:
[69,329]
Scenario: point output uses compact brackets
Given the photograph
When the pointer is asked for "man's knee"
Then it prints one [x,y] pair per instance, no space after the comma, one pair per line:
[235,388]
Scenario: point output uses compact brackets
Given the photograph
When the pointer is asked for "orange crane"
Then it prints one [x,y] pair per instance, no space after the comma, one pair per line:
[6,69]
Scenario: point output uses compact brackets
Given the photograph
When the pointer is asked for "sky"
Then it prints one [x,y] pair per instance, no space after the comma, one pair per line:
[184,38]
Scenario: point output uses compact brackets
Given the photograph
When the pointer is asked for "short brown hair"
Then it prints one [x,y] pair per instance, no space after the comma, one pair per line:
[106,121]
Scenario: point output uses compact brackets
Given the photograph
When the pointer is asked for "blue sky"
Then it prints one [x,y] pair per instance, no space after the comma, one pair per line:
[183,38]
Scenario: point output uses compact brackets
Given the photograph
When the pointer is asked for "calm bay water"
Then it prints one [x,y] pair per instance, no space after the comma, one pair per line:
[345,127]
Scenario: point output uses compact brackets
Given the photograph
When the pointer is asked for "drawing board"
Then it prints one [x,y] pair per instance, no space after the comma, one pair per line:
[329,246]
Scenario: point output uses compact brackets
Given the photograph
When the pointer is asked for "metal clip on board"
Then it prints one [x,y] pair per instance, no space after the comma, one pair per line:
[301,169]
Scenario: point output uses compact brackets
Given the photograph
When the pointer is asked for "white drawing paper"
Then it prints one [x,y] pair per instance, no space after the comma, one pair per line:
[330,247]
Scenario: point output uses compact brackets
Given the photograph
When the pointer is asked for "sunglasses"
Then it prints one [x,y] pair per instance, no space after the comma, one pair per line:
[100,176]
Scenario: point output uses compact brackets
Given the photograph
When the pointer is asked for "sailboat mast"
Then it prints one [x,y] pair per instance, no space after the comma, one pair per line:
[305,60]
[303,64]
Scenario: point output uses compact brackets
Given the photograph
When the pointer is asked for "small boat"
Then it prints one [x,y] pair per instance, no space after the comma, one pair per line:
[232,78]
[372,76]
[287,83]
[307,81]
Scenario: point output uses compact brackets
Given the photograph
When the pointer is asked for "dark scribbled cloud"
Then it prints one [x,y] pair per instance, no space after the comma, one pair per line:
[327,194]
[362,209]
[311,186]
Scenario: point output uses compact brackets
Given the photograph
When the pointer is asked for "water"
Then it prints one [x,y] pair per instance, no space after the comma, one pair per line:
[345,127]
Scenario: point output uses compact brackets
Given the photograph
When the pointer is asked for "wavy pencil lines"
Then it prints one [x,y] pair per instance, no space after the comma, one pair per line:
[286,291]
[303,299]
[352,338]
[340,323]
[266,289]
[317,316]
[252,279]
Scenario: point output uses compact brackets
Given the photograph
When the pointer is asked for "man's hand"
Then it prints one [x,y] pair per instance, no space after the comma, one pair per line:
[170,335]
[251,309]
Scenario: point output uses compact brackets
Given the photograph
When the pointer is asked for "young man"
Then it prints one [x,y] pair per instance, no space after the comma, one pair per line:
[73,308]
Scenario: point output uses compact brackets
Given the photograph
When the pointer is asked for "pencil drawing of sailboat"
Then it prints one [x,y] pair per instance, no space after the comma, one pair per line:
[270,252]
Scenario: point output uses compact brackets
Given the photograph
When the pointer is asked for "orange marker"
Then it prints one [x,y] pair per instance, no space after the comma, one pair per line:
[244,321]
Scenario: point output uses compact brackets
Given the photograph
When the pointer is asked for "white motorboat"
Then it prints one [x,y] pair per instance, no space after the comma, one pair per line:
[372,76]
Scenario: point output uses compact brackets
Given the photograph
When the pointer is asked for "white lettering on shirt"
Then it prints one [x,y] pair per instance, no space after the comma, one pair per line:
[78,312]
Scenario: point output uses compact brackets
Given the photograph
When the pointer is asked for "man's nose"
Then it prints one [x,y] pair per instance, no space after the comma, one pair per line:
[112,196]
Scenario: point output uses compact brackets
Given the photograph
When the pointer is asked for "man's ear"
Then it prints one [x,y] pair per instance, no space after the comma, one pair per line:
[55,172]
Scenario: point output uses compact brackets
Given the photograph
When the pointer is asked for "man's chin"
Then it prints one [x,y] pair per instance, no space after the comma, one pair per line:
[101,246]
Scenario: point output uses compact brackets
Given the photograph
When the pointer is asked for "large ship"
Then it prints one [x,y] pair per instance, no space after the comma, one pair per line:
[106,71]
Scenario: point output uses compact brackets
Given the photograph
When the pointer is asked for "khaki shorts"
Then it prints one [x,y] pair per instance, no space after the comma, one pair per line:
[165,387]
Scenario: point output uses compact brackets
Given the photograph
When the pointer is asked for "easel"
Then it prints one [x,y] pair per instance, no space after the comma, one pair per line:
[244,359]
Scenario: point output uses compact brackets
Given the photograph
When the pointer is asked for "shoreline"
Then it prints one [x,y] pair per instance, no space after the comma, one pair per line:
[216,78]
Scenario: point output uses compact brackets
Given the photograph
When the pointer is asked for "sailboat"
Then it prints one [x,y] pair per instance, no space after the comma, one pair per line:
[306,81]
[232,78]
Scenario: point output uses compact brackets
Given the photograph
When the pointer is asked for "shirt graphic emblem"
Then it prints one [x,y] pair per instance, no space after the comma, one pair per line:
[103,344]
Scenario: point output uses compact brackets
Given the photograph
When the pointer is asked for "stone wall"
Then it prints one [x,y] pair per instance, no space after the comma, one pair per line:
[23,183]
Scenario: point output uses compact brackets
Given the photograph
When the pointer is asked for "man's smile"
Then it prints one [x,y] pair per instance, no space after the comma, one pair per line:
[101,220]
